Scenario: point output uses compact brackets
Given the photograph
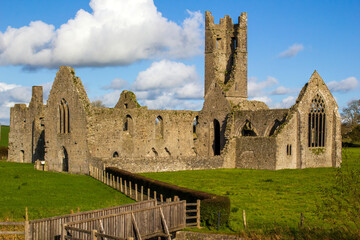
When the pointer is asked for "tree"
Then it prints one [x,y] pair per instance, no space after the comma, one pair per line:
[98,103]
[351,114]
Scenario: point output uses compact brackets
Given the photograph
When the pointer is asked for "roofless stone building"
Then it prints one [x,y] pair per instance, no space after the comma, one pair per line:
[68,133]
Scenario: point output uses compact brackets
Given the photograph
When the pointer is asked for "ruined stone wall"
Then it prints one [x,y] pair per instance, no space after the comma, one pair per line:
[264,122]
[69,144]
[142,137]
[26,136]
[160,164]
[256,152]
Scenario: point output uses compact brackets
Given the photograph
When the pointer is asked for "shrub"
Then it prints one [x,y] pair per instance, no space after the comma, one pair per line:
[3,152]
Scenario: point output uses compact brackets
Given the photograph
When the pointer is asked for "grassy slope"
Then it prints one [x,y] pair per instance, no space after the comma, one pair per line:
[4,136]
[49,194]
[270,198]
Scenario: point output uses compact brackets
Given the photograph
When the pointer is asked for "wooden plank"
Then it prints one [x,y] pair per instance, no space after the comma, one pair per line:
[136,227]
[12,232]
[164,224]
[12,223]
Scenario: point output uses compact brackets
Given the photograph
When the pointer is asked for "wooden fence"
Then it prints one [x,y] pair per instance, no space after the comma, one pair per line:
[51,228]
[140,193]
[25,224]
[144,223]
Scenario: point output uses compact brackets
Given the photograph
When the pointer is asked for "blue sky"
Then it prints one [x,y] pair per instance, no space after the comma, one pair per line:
[155,48]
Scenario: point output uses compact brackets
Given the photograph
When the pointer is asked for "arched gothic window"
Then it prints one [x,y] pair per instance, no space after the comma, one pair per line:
[64,117]
[128,125]
[317,126]
[248,129]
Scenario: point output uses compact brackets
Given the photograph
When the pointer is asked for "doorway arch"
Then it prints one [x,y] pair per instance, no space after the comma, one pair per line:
[65,160]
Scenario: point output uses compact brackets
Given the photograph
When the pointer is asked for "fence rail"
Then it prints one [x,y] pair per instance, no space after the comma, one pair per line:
[51,228]
[144,223]
[141,193]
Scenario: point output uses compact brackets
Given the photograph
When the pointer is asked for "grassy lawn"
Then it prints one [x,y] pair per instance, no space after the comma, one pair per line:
[271,199]
[49,194]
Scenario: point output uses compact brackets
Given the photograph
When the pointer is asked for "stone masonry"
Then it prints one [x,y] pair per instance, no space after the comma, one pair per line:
[68,133]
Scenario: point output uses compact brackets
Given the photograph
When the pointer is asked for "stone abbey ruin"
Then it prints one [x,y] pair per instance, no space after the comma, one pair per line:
[68,133]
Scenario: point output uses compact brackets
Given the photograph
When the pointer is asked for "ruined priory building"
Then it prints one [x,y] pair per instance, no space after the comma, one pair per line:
[69,133]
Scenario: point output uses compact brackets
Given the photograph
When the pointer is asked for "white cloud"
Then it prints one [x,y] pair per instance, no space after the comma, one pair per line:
[5,86]
[117,84]
[117,32]
[169,85]
[285,103]
[292,51]
[165,85]
[264,99]
[281,91]
[256,88]
[344,85]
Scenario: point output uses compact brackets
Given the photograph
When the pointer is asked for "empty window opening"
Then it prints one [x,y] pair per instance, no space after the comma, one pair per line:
[218,43]
[276,125]
[128,124]
[288,149]
[65,160]
[248,129]
[317,122]
[233,43]
[64,117]
[216,137]
[125,106]
[195,124]
[115,155]
[159,127]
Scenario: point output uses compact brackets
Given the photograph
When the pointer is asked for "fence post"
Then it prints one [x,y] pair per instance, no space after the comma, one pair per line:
[244,218]
[198,213]
[148,194]
[27,227]
[155,197]
[142,193]
[136,192]
[125,187]
[121,185]
[130,193]
[161,198]
[63,231]
[117,183]
[93,234]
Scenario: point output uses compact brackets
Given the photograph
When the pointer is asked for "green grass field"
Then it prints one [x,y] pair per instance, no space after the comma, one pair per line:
[4,136]
[49,194]
[271,199]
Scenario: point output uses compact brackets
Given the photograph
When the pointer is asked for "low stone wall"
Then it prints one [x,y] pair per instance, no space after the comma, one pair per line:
[157,164]
[184,235]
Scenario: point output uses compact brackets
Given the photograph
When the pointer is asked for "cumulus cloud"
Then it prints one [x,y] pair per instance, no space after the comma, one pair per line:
[256,88]
[116,84]
[292,51]
[264,99]
[285,103]
[169,85]
[344,85]
[165,85]
[281,91]
[116,32]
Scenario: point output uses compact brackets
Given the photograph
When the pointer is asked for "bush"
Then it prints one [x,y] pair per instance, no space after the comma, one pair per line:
[211,204]
[3,152]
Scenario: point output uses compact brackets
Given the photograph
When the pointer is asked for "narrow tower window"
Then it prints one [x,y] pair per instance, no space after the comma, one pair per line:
[317,122]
